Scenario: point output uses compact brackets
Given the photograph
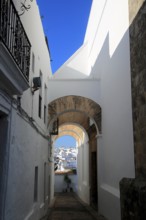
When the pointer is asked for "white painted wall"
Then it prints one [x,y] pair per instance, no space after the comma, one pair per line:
[27,147]
[107,37]
[60,185]
[83,171]
[110,54]
[24,155]
[72,68]
[33,26]
[52,176]
[79,87]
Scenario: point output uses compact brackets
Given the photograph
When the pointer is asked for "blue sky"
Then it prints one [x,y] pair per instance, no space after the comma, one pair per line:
[65,23]
[66,141]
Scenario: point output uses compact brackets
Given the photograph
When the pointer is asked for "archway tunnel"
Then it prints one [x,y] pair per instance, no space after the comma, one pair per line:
[80,118]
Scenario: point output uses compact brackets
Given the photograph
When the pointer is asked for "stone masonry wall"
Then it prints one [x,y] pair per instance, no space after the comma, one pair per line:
[138,76]
[134,6]
[133,191]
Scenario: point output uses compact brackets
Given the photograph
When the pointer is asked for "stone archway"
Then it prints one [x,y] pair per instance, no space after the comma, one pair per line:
[73,130]
[86,113]
[76,107]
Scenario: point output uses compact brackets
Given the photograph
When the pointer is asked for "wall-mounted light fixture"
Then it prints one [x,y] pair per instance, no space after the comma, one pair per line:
[36,84]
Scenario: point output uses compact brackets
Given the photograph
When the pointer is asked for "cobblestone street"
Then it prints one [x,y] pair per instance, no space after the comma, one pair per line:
[68,207]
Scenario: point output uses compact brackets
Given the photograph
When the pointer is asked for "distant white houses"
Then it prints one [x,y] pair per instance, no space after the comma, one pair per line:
[66,158]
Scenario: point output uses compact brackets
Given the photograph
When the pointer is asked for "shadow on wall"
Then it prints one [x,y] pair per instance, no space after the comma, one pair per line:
[117,141]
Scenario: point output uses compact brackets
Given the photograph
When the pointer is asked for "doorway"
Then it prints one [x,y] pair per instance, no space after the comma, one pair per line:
[93,167]
[3,150]
[94,201]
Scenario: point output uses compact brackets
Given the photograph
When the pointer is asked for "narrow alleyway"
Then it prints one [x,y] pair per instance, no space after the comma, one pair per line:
[68,207]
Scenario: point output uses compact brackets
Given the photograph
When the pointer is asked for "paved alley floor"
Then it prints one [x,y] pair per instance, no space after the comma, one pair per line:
[67,206]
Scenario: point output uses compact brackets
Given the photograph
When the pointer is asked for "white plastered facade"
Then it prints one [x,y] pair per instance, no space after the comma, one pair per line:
[27,146]
[100,70]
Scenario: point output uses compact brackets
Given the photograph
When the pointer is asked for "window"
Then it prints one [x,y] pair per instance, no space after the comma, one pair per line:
[40,89]
[40,96]
[44,114]
[4,125]
[40,106]
[44,182]
[33,62]
[36,184]
[45,102]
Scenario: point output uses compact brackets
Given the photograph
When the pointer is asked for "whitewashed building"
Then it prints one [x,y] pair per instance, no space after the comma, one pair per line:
[100,72]
[92,103]
[24,143]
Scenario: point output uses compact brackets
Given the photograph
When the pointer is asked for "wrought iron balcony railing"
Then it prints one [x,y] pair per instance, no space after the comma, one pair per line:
[14,37]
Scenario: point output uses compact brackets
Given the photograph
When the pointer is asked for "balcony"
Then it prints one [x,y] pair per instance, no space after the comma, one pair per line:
[14,51]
